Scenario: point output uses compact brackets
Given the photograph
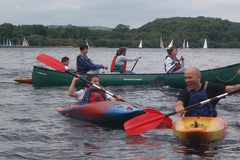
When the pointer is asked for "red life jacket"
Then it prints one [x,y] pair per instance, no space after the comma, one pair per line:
[124,65]
[93,95]
[177,66]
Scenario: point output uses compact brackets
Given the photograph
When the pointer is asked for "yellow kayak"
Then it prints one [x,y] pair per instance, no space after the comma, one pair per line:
[24,80]
[199,129]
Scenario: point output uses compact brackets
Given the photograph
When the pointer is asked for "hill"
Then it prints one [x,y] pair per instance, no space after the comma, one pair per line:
[220,34]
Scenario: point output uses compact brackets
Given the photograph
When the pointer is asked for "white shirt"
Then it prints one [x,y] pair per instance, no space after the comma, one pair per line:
[121,59]
[66,67]
[169,66]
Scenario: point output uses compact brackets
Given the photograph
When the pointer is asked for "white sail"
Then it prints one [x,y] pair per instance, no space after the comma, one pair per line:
[183,44]
[25,42]
[10,42]
[205,43]
[161,43]
[140,44]
[187,45]
[87,44]
[170,44]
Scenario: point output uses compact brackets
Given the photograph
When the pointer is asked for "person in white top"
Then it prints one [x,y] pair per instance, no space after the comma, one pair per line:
[172,63]
[119,61]
[65,61]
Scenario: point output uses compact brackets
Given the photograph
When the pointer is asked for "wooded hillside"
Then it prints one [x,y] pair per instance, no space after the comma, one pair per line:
[220,34]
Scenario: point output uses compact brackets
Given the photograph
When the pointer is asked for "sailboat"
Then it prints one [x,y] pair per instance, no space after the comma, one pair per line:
[205,43]
[170,44]
[10,42]
[140,44]
[183,46]
[187,45]
[87,43]
[161,43]
[25,42]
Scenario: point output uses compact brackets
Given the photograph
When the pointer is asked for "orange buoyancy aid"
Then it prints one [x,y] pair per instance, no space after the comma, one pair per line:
[93,95]
[117,67]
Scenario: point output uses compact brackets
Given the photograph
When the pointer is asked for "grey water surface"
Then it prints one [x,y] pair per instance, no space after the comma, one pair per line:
[30,127]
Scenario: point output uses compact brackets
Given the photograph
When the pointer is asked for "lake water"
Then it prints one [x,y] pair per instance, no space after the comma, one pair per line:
[30,127]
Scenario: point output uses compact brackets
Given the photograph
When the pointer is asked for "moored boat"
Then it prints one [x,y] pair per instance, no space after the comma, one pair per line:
[228,75]
[109,113]
[199,129]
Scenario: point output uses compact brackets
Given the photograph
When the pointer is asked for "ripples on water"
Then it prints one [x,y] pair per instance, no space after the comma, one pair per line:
[32,129]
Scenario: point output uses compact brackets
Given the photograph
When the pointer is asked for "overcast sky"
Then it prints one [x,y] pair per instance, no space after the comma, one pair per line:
[110,13]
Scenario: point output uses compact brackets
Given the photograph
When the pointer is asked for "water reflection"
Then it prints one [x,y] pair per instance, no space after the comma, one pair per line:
[135,139]
[207,150]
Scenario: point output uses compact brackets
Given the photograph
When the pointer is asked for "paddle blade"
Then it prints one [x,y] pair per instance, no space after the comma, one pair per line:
[145,122]
[52,62]
[158,82]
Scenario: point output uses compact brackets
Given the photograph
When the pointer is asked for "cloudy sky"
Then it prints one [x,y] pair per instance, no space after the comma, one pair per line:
[110,13]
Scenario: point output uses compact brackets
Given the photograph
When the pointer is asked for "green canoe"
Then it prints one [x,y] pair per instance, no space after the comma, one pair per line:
[228,75]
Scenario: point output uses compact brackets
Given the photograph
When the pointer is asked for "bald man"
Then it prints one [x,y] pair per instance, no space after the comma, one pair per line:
[196,91]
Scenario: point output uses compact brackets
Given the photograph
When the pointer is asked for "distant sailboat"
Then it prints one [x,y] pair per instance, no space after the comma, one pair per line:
[183,46]
[140,44]
[10,42]
[161,43]
[87,44]
[25,42]
[170,44]
[187,45]
[205,43]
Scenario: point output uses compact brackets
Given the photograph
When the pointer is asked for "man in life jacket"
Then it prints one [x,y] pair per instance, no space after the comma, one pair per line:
[172,63]
[89,94]
[196,92]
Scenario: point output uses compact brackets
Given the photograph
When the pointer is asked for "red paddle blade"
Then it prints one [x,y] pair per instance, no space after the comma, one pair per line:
[51,61]
[145,122]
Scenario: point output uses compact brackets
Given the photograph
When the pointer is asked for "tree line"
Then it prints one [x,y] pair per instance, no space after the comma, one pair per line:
[220,34]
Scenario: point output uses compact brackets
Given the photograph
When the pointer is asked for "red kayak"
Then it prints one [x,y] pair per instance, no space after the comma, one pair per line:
[109,113]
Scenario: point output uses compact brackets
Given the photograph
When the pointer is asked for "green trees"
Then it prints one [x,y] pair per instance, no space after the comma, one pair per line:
[220,34]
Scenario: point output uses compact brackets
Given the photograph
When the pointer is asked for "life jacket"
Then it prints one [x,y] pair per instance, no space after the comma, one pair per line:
[177,66]
[206,110]
[93,95]
[118,67]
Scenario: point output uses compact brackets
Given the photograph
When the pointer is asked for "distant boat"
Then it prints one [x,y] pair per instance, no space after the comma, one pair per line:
[170,44]
[183,46]
[25,42]
[205,43]
[161,43]
[10,42]
[140,44]
[87,44]
[187,45]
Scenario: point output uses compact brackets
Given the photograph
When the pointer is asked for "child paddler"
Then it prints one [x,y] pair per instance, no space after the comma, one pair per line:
[90,94]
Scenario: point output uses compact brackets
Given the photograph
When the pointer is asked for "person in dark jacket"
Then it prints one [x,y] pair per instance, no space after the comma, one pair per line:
[85,64]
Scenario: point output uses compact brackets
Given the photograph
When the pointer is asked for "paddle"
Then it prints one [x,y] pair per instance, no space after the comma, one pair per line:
[158,82]
[152,119]
[59,66]
[134,65]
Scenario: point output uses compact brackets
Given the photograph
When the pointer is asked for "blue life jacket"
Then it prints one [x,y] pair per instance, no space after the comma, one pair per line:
[206,110]
[93,95]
